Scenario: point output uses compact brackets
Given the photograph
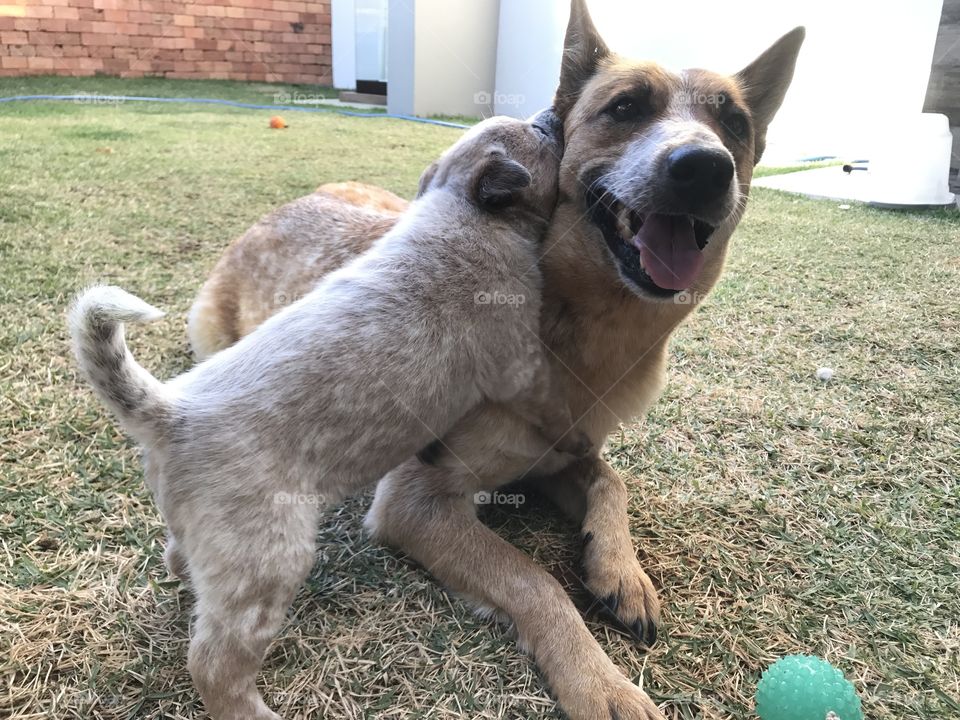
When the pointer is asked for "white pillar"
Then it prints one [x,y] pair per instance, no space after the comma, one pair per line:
[401,56]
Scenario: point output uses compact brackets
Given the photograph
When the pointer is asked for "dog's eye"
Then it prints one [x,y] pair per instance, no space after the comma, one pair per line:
[736,124]
[625,108]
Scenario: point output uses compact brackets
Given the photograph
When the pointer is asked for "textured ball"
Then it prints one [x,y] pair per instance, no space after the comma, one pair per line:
[825,374]
[277,123]
[803,687]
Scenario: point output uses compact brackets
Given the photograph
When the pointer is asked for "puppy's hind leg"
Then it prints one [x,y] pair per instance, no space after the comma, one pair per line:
[245,579]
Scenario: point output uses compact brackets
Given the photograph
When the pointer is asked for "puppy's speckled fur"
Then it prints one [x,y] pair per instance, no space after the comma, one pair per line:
[378,361]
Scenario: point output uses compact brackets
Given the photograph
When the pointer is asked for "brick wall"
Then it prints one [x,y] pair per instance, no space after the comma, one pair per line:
[259,40]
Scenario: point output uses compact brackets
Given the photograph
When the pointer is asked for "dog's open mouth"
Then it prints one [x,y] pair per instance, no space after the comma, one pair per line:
[662,254]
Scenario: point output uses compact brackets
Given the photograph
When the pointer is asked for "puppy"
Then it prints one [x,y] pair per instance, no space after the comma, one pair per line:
[376,363]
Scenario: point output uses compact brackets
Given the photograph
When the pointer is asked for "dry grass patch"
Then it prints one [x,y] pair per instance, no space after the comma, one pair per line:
[777,513]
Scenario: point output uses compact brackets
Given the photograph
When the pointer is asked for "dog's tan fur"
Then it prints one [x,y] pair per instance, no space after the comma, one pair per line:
[280,252]
[607,339]
[366,196]
[276,262]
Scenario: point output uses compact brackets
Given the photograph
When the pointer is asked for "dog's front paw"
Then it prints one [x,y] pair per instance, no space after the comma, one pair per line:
[621,587]
[628,702]
[620,701]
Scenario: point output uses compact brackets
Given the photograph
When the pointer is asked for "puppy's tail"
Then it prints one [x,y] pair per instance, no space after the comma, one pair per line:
[96,318]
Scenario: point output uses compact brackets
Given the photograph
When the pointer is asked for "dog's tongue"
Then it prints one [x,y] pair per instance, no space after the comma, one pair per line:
[669,251]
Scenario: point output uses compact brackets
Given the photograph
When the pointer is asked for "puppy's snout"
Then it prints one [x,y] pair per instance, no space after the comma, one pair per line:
[549,123]
[699,175]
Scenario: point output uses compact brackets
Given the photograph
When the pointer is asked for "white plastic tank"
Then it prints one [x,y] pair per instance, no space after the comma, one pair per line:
[910,164]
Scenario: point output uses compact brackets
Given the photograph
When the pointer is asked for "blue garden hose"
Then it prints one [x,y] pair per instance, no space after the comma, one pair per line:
[233,103]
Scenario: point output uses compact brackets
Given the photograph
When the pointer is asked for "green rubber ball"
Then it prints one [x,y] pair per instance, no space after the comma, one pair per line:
[803,687]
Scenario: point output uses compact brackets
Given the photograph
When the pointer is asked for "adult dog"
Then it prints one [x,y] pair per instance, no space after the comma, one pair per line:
[653,183]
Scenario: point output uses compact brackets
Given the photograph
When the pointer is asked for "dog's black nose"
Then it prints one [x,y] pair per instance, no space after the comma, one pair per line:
[699,175]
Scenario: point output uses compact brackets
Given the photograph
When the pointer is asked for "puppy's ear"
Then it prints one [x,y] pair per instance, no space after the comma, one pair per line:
[583,49]
[765,82]
[497,181]
[426,178]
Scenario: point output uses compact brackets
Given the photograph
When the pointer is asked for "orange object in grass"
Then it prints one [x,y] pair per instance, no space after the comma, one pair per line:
[277,122]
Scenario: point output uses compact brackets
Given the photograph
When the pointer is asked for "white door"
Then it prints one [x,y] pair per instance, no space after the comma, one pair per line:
[371,34]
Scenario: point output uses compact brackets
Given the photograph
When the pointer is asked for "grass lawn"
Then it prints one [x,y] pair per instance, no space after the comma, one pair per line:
[765,170]
[778,514]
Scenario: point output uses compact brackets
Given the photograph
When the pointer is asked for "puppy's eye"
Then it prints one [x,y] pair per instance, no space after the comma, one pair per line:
[736,124]
[625,108]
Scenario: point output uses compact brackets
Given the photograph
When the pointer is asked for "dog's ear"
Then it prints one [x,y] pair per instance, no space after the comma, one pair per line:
[497,181]
[426,178]
[583,49]
[765,82]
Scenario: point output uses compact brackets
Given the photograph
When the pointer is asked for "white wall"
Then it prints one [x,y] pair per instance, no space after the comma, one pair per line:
[456,48]
[442,55]
[863,61]
[528,55]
